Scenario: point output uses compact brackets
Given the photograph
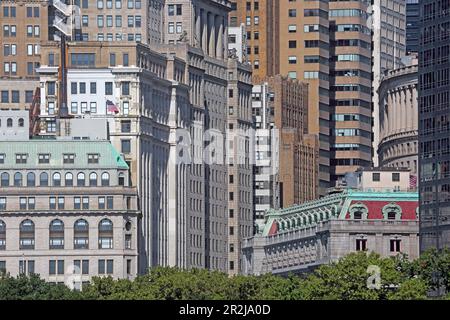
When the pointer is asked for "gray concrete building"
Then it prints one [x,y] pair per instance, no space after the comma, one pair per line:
[67,211]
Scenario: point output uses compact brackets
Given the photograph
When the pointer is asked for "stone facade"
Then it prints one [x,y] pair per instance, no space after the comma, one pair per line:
[67,205]
[301,238]
[398,114]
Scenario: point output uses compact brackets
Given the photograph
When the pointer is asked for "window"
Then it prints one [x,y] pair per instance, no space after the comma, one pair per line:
[5,179]
[292,59]
[112,59]
[2,236]
[44,158]
[56,267]
[292,13]
[56,234]
[361,244]
[292,44]
[68,179]
[126,107]
[2,156]
[93,157]
[125,126]
[171,27]
[68,158]
[17,179]
[376,176]
[105,234]
[292,28]
[81,179]
[56,179]
[60,203]
[92,179]
[5,96]
[395,176]
[108,88]
[125,88]
[105,179]
[101,203]
[28,96]
[395,245]
[2,203]
[23,266]
[77,203]
[125,146]
[26,235]
[126,64]
[110,202]
[105,266]
[392,215]
[43,179]
[81,234]
[85,203]
[51,88]
[82,59]
[31,179]
[22,203]
[81,266]
[9,123]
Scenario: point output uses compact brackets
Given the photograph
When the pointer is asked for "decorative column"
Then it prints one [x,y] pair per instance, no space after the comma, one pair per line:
[219,48]
[212,35]
[198,23]
[204,24]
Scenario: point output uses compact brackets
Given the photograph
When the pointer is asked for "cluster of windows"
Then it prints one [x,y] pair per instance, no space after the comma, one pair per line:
[351,132]
[108,4]
[18,180]
[351,87]
[348,13]
[351,73]
[394,245]
[351,117]
[44,158]
[350,162]
[351,43]
[351,57]
[27,235]
[54,203]
[350,102]
[350,147]
[350,28]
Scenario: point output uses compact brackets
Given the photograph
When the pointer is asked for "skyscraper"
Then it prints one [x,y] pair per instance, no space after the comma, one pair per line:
[412,25]
[434,124]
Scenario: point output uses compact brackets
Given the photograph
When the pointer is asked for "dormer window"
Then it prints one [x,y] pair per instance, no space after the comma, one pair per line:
[392,215]
[357,215]
[93,157]
[21,158]
[44,158]
[69,158]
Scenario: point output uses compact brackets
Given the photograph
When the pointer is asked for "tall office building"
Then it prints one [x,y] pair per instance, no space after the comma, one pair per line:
[412,26]
[434,126]
[24,24]
[261,22]
[350,87]
[239,153]
[278,44]
[389,47]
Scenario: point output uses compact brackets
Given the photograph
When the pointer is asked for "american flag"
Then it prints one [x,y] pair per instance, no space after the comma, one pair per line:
[412,181]
[111,106]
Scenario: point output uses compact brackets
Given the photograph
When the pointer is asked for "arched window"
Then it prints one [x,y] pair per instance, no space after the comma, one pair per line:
[2,235]
[56,234]
[56,179]
[18,179]
[31,179]
[93,179]
[81,179]
[26,235]
[9,123]
[105,179]
[5,179]
[69,179]
[357,215]
[81,234]
[21,122]
[43,179]
[105,234]
[391,215]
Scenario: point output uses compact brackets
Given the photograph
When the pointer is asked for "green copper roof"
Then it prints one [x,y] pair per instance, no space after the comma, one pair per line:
[108,156]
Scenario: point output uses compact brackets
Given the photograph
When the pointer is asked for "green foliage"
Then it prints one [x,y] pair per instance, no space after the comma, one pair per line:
[33,288]
[346,279]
